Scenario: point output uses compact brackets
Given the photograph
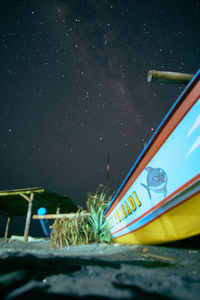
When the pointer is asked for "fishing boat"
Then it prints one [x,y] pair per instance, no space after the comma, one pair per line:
[159,200]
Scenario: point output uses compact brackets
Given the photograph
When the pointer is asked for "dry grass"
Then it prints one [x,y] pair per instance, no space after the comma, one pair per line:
[84,229]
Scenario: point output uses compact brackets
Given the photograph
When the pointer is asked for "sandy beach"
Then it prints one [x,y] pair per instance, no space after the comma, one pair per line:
[34,269]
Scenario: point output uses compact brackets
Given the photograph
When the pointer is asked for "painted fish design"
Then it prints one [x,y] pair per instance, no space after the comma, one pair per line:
[156,181]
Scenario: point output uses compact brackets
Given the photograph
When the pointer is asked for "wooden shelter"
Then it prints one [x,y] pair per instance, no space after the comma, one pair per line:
[25,202]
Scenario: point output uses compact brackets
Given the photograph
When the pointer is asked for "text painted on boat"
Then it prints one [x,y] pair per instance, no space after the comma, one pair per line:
[130,205]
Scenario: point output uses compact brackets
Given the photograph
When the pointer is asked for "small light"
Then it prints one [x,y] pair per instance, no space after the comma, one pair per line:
[41,211]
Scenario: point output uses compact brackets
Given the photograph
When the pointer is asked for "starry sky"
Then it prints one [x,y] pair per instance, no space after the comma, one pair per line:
[74,88]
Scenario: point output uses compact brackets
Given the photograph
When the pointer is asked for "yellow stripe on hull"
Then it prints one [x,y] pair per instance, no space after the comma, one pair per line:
[181,222]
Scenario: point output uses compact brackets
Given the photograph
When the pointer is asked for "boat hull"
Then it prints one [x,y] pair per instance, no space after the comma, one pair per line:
[182,221]
[159,200]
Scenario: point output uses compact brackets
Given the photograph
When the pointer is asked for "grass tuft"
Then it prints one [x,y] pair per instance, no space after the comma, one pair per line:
[84,229]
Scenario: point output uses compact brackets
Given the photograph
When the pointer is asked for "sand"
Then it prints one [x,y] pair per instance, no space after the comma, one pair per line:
[34,269]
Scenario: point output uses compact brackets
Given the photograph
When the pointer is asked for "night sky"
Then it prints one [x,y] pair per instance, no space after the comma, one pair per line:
[73,86]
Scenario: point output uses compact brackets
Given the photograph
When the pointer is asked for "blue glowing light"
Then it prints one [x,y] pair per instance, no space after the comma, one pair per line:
[44,223]
[41,211]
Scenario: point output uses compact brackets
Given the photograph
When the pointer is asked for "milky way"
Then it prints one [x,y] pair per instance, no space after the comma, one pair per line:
[73,86]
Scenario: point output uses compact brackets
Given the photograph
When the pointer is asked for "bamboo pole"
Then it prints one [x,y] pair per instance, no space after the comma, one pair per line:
[7,228]
[20,191]
[25,197]
[169,77]
[28,218]
[58,216]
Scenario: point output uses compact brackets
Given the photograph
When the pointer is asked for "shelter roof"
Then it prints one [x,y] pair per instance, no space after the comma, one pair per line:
[15,202]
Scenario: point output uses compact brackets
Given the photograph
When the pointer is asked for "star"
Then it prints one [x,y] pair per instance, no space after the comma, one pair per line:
[73,86]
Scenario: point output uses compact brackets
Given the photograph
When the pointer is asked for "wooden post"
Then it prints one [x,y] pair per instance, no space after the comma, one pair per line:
[169,77]
[7,228]
[28,218]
